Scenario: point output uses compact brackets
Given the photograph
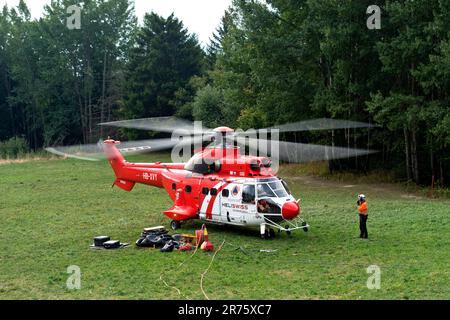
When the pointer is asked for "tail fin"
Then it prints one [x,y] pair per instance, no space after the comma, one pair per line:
[115,158]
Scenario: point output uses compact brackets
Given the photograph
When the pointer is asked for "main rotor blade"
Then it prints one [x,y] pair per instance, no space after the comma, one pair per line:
[140,146]
[75,152]
[170,124]
[301,152]
[160,124]
[321,124]
[94,152]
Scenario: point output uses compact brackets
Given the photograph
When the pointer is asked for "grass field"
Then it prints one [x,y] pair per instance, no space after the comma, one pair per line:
[51,210]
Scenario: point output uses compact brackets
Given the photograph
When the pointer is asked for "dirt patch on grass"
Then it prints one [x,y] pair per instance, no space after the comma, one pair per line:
[379,188]
[285,273]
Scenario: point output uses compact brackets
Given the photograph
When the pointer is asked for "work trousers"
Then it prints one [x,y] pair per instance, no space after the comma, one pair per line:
[363,226]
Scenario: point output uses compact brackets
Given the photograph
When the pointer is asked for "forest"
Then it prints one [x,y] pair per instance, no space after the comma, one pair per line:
[269,62]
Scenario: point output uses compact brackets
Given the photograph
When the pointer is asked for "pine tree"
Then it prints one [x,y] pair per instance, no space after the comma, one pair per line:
[165,57]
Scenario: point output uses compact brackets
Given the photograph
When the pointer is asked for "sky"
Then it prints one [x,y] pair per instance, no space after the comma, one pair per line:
[199,16]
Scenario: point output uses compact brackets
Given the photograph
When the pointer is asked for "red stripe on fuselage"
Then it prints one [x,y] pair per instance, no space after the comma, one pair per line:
[213,199]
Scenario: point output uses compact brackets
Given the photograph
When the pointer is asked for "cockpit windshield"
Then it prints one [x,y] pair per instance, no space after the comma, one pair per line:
[278,188]
[264,191]
[271,188]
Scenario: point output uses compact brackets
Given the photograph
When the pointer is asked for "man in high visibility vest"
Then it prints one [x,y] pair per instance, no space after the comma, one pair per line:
[363,212]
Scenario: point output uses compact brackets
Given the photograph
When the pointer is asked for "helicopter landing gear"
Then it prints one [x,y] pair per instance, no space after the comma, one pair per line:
[267,233]
[175,224]
[304,224]
[288,232]
[271,233]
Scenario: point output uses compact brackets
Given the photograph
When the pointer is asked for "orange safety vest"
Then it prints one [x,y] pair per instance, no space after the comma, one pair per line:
[362,208]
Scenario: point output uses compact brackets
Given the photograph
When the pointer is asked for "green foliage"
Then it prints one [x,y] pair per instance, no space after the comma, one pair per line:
[60,82]
[269,62]
[215,46]
[281,61]
[13,148]
[252,118]
[208,106]
[160,67]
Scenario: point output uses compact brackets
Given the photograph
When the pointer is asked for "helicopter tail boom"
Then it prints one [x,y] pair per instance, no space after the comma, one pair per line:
[128,174]
[115,158]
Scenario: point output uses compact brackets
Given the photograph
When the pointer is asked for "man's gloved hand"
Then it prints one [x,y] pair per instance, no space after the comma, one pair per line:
[358,202]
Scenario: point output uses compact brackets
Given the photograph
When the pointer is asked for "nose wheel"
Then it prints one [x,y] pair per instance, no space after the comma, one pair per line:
[288,231]
[304,225]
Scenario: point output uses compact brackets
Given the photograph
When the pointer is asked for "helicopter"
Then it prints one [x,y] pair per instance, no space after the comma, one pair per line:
[218,183]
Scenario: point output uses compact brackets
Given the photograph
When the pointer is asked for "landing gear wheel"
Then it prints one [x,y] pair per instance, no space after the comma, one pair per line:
[288,232]
[271,233]
[175,225]
[304,224]
[268,233]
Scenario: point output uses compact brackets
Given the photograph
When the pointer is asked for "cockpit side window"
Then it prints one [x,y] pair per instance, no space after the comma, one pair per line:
[285,186]
[268,206]
[248,193]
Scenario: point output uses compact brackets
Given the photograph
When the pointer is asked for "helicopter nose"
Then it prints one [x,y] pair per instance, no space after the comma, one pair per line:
[290,210]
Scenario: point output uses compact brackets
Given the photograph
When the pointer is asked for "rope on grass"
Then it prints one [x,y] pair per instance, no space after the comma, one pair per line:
[207,269]
[173,287]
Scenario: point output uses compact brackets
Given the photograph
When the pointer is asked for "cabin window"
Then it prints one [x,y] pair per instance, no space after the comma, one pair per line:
[225,193]
[188,189]
[174,186]
[205,191]
[213,191]
[248,193]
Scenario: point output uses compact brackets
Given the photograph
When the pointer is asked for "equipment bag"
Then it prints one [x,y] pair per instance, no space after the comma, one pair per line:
[112,244]
[100,240]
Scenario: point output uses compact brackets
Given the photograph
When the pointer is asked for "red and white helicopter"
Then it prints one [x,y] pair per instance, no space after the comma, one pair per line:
[219,184]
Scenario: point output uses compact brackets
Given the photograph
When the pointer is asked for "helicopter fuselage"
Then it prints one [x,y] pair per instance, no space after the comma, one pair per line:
[216,185]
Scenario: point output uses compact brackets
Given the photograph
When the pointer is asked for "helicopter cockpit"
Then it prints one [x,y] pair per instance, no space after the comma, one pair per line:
[267,193]
[272,188]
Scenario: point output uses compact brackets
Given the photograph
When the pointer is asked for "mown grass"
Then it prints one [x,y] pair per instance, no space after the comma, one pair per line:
[51,210]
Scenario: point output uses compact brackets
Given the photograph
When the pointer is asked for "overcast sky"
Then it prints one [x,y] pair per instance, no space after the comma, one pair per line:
[199,16]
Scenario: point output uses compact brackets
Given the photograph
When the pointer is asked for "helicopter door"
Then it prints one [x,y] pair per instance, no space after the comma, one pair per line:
[248,208]
[225,206]
[216,212]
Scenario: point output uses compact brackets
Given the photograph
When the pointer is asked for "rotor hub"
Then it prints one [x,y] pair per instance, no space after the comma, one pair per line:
[223,129]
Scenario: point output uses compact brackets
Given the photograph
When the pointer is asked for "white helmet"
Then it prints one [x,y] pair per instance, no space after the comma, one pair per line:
[362,197]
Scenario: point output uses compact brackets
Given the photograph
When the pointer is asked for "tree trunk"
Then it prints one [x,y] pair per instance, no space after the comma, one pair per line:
[355,146]
[102,110]
[11,111]
[407,157]
[330,162]
[431,160]
[414,156]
